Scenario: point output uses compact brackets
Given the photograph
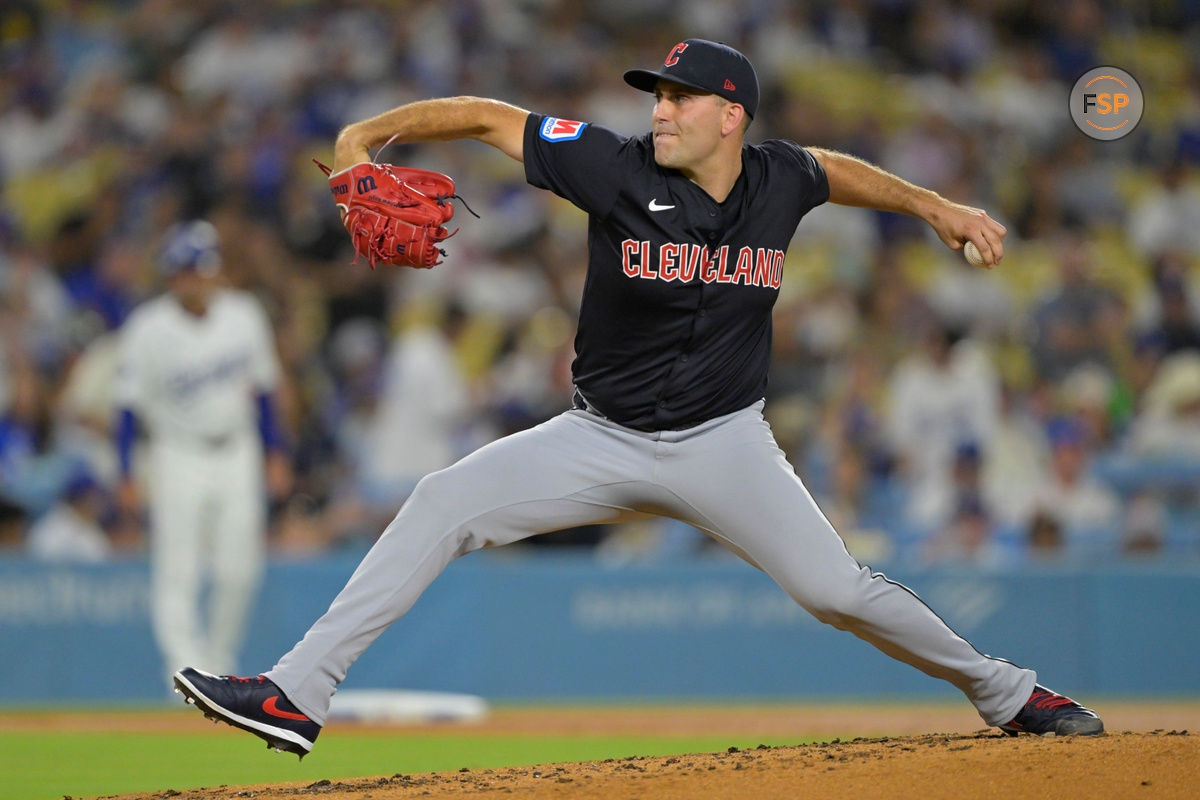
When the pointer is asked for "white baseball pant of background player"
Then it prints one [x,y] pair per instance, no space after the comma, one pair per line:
[726,476]
[193,382]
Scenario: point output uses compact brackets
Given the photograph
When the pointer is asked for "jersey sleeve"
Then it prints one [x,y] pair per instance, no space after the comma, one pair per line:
[575,160]
[264,362]
[809,176]
[129,390]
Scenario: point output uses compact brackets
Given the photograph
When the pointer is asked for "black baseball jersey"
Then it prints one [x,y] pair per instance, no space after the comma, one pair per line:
[675,321]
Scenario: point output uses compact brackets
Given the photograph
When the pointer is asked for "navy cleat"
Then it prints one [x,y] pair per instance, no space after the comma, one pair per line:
[252,704]
[1047,712]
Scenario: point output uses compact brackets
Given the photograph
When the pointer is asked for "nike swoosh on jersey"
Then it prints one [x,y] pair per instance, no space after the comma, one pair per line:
[270,707]
[654,206]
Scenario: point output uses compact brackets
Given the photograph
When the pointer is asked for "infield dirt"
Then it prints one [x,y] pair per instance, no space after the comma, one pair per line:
[1153,762]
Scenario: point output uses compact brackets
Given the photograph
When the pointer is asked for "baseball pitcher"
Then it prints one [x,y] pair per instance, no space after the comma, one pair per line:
[688,229]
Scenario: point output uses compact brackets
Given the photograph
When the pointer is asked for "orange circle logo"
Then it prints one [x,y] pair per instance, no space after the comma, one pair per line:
[1106,103]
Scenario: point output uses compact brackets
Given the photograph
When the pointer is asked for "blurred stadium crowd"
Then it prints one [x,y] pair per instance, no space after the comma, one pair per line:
[1049,409]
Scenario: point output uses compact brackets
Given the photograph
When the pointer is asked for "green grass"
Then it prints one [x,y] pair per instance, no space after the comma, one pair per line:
[47,765]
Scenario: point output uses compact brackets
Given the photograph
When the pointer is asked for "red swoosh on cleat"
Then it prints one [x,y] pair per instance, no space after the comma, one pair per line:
[270,707]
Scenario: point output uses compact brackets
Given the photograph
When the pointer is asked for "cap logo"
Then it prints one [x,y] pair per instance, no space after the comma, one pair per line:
[676,52]
[729,87]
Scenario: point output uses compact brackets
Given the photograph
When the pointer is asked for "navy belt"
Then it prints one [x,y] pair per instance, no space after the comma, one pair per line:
[579,402]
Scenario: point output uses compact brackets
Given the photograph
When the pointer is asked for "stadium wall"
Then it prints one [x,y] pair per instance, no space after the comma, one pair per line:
[566,628]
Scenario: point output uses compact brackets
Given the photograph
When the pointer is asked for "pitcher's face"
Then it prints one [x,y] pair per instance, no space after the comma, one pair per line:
[686,125]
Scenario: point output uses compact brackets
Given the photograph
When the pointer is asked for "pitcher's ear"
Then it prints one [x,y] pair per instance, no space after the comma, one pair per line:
[735,115]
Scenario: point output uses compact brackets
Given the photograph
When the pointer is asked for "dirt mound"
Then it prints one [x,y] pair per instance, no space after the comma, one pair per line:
[1159,764]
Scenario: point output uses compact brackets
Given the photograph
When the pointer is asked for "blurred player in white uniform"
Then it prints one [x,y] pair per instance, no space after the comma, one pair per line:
[198,370]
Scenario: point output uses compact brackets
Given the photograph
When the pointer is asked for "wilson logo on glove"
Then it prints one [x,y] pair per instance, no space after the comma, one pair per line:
[395,215]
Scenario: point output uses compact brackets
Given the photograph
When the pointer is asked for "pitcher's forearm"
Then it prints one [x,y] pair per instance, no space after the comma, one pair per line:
[854,182]
[490,121]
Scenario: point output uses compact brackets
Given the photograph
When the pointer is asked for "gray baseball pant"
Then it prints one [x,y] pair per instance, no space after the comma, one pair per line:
[726,476]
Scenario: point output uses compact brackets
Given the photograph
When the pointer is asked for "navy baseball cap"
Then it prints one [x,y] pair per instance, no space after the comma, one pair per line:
[190,246]
[708,66]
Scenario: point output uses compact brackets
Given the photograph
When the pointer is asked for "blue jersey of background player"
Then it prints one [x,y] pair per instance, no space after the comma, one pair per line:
[675,322]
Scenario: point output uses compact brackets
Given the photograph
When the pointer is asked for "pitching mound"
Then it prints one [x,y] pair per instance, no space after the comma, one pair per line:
[1160,764]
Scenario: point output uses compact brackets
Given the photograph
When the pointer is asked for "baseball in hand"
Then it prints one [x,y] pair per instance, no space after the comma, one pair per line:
[972,254]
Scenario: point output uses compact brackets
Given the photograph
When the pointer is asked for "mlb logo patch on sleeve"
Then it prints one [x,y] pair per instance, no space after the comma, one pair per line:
[561,130]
